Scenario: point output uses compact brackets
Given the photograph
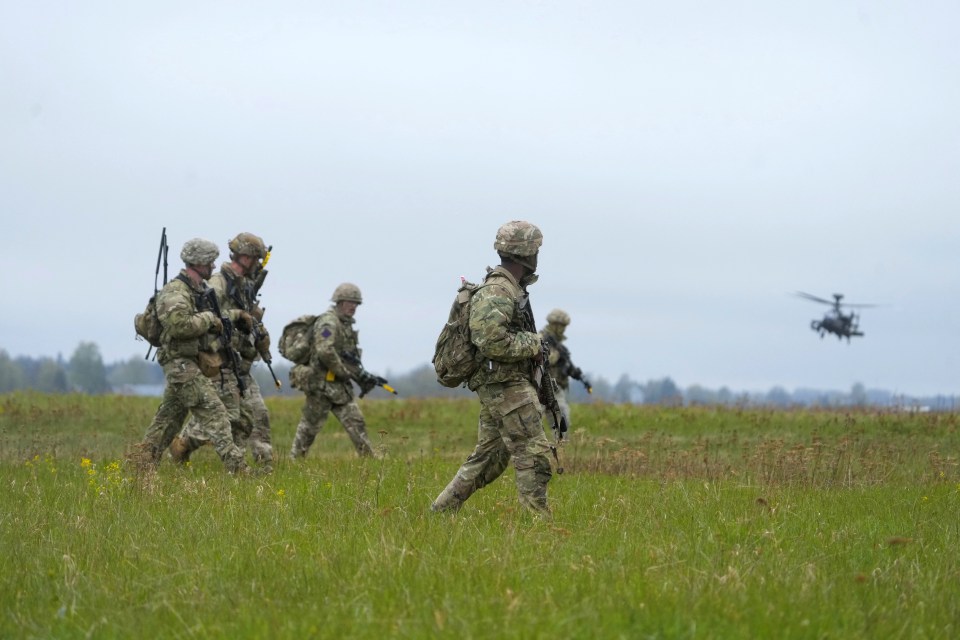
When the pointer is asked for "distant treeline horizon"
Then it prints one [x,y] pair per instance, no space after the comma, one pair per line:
[86,372]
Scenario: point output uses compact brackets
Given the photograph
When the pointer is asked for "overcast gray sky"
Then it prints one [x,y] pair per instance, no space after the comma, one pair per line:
[690,165]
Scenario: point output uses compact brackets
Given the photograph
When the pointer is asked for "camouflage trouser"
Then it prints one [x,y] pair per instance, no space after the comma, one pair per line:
[249,419]
[189,391]
[564,409]
[511,426]
[316,408]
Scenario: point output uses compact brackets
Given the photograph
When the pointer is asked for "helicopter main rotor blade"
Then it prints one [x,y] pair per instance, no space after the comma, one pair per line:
[814,298]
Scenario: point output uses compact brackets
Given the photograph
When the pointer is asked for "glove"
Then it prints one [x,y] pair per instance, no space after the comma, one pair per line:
[244,321]
[215,324]
[257,313]
[367,382]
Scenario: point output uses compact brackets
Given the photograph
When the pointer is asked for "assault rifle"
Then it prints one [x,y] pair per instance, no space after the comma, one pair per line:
[161,255]
[257,335]
[365,379]
[566,364]
[226,336]
[544,383]
[265,354]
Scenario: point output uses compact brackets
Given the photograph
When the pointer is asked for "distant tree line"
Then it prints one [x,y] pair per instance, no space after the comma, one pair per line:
[85,372]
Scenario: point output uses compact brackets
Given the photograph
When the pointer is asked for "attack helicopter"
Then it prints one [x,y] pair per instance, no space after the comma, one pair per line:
[843,325]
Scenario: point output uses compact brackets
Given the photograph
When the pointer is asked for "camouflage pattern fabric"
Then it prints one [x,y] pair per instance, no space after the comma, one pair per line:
[510,425]
[187,390]
[498,330]
[253,412]
[316,409]
[198,251]
[333,334]
[248,414]
[235,295]
[185,326]
[510,428]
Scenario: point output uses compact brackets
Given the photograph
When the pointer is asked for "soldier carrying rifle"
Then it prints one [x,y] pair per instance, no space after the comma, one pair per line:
[559,363]
[510,352]
[327,376]
[233,294]
[188,355]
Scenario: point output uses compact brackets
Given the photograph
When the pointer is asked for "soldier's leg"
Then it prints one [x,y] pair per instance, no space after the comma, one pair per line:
[485,464]
[316,408]
[353,423]
[163,428]
[213,423]
[259,418]
[194,435]
[522,431]
[242,428]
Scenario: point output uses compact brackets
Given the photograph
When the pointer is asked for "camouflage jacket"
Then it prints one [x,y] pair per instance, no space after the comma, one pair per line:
[502,329]
[235,294]
[186,324]
[333,334]
[559,364]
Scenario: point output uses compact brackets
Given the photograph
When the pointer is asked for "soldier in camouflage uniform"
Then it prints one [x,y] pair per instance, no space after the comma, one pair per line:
[559,364]
[249,418]
[502,328]
[327,378]
[188,355]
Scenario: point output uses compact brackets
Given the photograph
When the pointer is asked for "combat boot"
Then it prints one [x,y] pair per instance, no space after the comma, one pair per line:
[453,496]
[180,450]
[238,468]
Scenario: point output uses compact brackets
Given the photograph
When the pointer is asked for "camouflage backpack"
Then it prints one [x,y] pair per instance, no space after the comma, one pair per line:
[147,324]
[296,341]
[455,357]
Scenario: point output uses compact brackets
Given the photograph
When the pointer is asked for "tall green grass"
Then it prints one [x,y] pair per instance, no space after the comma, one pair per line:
[677,523]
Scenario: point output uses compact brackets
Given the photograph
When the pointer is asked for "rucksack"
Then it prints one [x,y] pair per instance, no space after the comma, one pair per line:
[296,341]
[455,357]
[147,324]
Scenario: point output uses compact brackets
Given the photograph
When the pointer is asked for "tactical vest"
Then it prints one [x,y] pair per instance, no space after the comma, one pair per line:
[493,371]
[189,348]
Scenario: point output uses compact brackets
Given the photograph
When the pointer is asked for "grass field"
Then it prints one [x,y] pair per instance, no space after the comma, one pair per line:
[668,523]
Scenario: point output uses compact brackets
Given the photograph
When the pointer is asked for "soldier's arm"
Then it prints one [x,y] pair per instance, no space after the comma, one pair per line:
[491,312]
[325,350]
[178,316]
[229,307]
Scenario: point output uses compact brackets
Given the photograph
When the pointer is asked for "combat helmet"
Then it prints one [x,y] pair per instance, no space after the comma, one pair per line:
[248,244]
[198,251]
[347,291]
[520,241]
[558,316]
